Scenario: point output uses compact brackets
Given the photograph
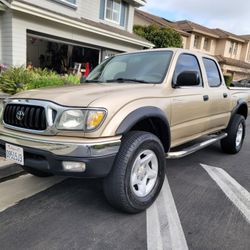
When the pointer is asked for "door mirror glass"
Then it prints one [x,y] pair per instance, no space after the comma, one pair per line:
[188,78]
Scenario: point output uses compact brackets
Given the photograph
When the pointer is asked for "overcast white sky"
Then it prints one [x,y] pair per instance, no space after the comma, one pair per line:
[230,15]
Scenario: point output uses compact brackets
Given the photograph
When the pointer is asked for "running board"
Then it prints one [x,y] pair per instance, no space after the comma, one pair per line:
[194,148]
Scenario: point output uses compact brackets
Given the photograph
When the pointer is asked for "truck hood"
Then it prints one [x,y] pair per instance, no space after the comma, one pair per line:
[84,95]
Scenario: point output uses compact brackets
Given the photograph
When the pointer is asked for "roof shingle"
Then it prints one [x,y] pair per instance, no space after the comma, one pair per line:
[225,34]
[160,21]
[233,62]
[189,26]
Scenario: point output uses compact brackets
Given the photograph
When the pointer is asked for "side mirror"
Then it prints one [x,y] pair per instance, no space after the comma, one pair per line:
[188,78]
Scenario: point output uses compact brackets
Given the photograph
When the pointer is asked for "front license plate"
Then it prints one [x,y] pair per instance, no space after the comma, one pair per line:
[14,153]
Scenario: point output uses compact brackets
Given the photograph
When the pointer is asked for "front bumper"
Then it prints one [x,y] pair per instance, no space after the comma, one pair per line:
[48,154]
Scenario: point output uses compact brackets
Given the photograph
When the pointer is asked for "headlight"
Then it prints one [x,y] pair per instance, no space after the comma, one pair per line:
[77,119]
[72,120]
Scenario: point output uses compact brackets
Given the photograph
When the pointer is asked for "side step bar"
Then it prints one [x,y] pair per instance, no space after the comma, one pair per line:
[194,148]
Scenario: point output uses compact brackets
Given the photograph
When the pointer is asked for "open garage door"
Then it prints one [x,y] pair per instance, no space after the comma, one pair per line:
[64,57]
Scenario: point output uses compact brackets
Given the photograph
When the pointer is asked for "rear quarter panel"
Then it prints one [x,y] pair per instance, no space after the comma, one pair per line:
[240,93]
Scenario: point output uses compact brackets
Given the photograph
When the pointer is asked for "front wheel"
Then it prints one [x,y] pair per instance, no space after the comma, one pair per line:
[236,130]
[138,173]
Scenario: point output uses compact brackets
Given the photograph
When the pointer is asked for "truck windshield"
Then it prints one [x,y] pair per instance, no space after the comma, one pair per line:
[142,67]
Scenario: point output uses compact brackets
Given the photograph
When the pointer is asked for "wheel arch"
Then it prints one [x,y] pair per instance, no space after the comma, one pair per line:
[149,119]
[241,109]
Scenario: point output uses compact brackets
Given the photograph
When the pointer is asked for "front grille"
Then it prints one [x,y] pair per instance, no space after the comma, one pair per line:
[25,116]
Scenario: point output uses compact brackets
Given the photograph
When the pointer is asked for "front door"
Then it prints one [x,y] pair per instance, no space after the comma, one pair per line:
[189,104]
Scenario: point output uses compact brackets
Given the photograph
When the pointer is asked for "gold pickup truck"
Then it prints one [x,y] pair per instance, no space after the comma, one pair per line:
[130,114]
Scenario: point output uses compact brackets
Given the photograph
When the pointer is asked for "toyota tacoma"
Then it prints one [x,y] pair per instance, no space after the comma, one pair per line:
[124,121]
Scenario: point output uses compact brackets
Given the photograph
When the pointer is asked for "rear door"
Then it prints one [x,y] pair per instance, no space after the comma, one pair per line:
[219,96]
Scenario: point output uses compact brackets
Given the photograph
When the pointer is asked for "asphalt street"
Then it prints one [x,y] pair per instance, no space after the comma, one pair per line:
[204,204]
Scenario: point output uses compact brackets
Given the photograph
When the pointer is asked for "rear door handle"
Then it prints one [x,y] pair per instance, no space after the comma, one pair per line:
[205,98]
[225,95]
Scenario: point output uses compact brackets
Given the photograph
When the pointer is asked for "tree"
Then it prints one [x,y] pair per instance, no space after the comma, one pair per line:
[161,37]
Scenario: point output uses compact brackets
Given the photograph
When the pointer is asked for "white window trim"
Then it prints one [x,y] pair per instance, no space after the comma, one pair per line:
[111,20]
[65,2]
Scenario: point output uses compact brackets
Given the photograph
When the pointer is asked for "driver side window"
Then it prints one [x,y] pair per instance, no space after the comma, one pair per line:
[187,62]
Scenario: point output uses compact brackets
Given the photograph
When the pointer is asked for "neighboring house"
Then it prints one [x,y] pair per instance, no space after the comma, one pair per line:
[145,19]
[61,34]
[232,51]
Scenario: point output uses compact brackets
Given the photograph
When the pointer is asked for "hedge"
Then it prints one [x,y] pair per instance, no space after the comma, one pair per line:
[16,79]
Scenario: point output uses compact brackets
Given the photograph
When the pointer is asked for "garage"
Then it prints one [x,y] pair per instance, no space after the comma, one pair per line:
[62,56]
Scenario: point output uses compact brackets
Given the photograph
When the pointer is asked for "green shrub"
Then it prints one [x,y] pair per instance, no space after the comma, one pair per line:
[72,79]
[161,37]
[16,79]
[44,81]
[228,80]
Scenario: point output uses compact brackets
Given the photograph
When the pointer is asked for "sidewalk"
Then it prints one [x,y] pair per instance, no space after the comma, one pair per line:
[8,168]
[3,95]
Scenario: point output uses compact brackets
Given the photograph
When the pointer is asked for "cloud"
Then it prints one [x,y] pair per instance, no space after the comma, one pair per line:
[232,16]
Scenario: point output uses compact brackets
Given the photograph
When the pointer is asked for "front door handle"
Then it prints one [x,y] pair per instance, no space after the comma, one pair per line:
[225,95]
[205,98]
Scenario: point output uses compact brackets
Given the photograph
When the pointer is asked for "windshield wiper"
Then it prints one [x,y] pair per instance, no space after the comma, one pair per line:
[126,80]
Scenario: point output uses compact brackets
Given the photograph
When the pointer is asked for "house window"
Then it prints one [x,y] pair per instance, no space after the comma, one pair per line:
[113,10]
[197,42]
[236,48]
[231,47]
[70,1]
[67,2]
[206,45]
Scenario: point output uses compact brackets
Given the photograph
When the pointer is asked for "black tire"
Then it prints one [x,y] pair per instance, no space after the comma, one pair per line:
[229,144]
[117,188]
[36,172]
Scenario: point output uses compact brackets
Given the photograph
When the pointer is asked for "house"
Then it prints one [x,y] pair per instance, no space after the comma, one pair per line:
[143,18]
[61,34]
[232,51]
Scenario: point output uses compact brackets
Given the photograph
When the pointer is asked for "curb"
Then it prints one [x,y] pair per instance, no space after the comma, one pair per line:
[3,96]
[8,169]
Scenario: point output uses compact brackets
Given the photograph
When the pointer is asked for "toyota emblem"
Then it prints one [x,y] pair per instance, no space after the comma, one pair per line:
[20,115]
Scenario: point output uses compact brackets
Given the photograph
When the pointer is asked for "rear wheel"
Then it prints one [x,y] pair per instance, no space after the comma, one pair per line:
[36,172]
[232,144]
[138,173]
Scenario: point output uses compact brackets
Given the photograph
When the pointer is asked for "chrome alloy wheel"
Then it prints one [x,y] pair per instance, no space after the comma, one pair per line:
[239,135]
[144,173]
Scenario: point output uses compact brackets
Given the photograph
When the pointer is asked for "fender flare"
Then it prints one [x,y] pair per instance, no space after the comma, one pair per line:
[240,103]
[145,113]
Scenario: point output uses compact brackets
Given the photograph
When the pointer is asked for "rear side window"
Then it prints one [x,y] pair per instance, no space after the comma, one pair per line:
[213,74]
[187,62]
